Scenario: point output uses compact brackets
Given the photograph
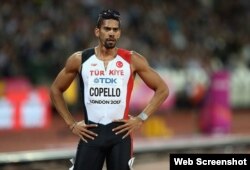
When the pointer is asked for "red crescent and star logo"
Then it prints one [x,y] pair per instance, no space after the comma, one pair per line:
[119,64]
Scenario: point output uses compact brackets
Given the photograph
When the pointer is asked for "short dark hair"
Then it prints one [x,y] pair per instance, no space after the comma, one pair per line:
[108,14]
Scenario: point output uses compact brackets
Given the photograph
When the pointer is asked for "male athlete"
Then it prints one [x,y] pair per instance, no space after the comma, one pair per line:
[106,75]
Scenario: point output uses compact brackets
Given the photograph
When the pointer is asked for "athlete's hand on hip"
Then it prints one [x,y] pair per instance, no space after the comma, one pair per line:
[81,129]
[129,125]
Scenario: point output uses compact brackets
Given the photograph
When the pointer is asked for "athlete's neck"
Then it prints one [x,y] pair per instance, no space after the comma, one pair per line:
[104,53]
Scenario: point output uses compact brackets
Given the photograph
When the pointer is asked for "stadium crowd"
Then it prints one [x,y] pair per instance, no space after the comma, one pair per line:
[37,35]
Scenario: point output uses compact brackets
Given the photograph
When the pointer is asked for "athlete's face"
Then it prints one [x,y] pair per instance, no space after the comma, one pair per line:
[108,33]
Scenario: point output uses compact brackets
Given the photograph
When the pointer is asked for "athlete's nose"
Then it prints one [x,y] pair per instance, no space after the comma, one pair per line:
[111,33]
[111,36]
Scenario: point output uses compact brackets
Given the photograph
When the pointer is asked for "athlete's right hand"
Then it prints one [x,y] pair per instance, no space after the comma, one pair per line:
[81,129]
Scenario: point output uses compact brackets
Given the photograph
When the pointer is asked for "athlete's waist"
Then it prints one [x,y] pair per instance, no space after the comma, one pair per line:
[106,135]
[111,124]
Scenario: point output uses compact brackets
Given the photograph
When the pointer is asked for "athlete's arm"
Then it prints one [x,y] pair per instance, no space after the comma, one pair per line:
[59,86]
[153,80]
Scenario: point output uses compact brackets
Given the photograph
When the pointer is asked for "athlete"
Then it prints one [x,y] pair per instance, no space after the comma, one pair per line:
[106,75]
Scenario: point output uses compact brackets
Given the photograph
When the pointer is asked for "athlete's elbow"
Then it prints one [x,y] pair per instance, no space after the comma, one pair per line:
[53,91]
[164,91]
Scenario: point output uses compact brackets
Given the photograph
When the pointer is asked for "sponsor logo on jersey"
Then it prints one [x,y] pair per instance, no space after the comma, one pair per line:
[103,80]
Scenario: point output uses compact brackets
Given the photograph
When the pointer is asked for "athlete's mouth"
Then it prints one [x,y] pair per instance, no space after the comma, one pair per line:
[110,40]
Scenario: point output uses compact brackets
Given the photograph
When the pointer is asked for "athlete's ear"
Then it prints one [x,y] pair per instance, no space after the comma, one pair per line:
[119,34]
[97,32]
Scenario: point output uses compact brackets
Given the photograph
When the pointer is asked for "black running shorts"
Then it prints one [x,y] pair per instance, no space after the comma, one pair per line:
[106,146]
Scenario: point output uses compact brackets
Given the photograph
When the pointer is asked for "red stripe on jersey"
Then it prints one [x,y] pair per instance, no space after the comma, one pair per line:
[126,55]
[129,91]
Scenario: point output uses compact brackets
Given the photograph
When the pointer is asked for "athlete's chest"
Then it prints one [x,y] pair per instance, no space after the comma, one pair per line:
[115,71]
[116,67]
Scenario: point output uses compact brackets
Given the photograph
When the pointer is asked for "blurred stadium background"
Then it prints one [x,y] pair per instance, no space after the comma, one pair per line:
[200,47]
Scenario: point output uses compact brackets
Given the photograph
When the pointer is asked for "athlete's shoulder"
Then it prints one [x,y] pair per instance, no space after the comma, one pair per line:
[74,61]
[88,52]
[123,51]
[137,57]
[125,54]
[75,57]
[138,61]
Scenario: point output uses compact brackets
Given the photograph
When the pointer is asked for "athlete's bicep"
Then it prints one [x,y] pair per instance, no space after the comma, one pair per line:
[63,80]
[68,73]
[151,78]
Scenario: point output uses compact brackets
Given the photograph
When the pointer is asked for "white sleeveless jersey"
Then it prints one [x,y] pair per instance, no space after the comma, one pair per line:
[106,92]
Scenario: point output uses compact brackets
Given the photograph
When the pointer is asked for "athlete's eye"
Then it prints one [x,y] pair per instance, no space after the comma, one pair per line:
[115,29]
[106,29]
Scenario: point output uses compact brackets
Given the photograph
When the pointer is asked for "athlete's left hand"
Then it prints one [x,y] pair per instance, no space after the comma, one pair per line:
[129,125]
